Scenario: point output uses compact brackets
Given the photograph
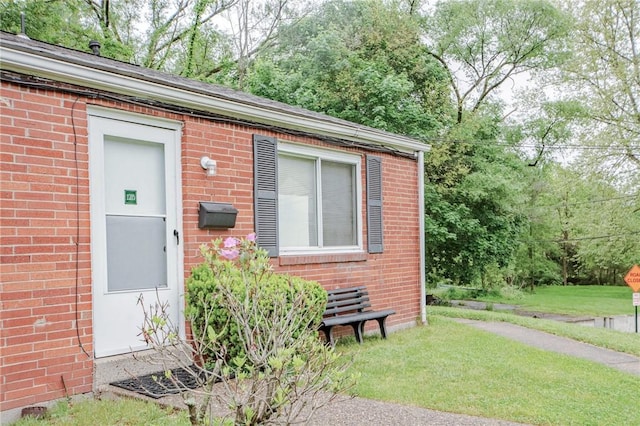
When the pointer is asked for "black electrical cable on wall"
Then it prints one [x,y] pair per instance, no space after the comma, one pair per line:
[77,242]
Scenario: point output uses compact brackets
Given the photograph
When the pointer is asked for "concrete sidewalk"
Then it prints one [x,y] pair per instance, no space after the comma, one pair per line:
[549,342]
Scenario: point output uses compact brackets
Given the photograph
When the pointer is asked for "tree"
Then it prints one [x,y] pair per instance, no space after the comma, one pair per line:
[185,37]
[537,257]
[254,27]
[483,43]
[604,74]
[69,23]
[606,222]
[357,60]
[473,192]
[474,183]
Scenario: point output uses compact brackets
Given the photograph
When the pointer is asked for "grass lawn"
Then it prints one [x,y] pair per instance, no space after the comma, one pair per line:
[452,367]
[124,411]
[574,300]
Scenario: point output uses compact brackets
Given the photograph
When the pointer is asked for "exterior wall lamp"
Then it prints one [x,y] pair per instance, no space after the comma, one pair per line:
[209,165]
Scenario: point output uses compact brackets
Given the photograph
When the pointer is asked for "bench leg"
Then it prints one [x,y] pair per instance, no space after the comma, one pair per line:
[328,332]
[357,329]
[383,329]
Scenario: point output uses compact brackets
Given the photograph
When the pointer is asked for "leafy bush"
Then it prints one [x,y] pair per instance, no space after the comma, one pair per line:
[240,267]
[254,332]
[508,293]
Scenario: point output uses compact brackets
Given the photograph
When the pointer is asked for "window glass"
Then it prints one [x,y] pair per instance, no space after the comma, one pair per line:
[297,212]
[338,204]
[136,253]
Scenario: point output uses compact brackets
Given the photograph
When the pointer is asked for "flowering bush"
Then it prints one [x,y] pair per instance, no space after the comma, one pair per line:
[257,332]
[252,331]
[238,269]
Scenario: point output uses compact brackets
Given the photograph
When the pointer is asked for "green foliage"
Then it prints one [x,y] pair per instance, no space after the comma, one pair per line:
[70,23]
[361,61]
[483,43]
[472,192]
[603,74]
[581,229]
[207,307]
[257,331]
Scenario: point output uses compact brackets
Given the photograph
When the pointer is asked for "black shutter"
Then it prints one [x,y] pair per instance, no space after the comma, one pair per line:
[265,192]
[374,204]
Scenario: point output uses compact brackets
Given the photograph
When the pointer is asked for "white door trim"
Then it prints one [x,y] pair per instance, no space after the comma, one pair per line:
[97,197]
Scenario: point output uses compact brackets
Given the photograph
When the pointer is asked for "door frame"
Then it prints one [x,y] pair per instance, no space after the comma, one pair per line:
[97,194]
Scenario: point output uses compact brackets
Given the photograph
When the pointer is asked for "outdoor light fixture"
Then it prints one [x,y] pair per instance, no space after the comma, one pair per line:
[209,165]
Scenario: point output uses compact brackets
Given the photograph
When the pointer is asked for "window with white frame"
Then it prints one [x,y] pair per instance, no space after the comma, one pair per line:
[318,199]
[308,199]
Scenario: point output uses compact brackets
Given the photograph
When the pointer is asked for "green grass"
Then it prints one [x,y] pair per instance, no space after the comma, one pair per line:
[92,412]
[452,367]
[573,300]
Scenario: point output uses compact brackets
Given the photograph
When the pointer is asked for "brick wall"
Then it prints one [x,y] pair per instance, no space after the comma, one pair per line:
[45,289]
[392,277]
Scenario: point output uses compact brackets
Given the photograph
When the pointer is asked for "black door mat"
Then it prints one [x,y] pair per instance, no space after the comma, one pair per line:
[157,385]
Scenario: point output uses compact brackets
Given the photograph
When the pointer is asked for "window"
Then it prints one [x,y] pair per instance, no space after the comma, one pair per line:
[308,200]
[318,198]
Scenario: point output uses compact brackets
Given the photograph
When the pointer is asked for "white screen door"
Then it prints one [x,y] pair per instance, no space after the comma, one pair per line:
[134,225]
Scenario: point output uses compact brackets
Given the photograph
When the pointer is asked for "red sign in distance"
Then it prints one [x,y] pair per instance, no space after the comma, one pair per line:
[633,278]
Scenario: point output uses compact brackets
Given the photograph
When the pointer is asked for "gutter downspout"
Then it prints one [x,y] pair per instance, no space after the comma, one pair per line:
[423,289]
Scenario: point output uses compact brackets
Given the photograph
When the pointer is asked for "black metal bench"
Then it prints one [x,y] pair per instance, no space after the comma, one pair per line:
[351,306]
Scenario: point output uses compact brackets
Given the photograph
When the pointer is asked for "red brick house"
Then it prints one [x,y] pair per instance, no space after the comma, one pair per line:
[104,167]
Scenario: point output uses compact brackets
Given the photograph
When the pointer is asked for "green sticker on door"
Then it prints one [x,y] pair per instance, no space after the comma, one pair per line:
[130,196]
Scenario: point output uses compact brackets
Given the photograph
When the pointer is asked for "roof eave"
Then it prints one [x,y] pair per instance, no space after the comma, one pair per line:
[115,81]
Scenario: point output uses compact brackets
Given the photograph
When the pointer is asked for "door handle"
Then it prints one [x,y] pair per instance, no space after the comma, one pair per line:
[177,235]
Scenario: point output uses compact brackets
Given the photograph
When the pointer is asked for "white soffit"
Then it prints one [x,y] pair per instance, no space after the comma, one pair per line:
[126,83]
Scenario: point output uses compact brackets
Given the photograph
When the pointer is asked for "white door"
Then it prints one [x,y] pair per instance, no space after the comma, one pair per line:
[135,225]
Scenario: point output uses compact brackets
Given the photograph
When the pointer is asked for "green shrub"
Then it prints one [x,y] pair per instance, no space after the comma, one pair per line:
[508,293]
[242,269]
[256,332]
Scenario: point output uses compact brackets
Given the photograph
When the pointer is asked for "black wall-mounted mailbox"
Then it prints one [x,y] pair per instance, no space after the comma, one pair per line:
[216,216]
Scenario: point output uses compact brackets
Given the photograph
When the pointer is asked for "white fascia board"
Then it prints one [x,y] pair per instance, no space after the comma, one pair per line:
[81,75]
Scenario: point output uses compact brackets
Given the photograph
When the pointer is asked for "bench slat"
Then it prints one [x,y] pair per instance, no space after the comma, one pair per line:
[347,319]
[350,308]
[347,302]
[346,296]
[346,290]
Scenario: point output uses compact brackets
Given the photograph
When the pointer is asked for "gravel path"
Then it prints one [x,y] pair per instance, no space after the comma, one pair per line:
[345,411]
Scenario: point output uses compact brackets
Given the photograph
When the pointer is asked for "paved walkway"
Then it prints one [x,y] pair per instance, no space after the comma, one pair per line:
[365,412]
[549,342]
